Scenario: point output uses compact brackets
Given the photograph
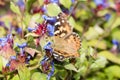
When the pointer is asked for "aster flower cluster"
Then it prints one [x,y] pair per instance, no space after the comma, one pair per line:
[46,28]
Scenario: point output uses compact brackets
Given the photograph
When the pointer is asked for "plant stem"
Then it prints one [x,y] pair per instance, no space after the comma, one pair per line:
[74,7]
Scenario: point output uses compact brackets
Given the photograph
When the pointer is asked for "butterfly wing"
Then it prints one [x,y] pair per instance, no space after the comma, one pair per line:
[62,27]
[66,48]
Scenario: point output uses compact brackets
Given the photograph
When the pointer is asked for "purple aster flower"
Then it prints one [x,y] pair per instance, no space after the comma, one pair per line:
[50,30]
[52,70]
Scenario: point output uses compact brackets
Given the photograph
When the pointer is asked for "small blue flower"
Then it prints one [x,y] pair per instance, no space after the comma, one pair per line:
[99,2]
[20,3]
[48,46]
[19,30]
[28,59]
[8,64]
[44,9]
[13,57]
[50,30]
[22,46]
[107,16]
[54,1]
[4,40]
[52,71]
[44,60]
[115,42]
[72,1]
[31,29]
[1,23]
[102,3]
[48,18]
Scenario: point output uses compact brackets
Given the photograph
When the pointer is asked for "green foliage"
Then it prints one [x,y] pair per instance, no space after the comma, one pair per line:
[99,58]
[110,56]
[24,73]
[15,8]
[113,72]
[53,9]
[70,67]
[1,63]
[16,77]
[38,76]
[63,2]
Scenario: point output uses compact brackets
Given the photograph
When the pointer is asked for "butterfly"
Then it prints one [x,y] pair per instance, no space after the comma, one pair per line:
[66,42]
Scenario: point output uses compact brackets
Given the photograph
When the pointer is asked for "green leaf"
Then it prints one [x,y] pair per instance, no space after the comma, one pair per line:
[97,43]
[74,25]
[2,31]
[24,73]
[116,23]
[53,9]
[82,0]
[66,3]
[38,76]
[26,19]
[29,4]
[70,67]
[99,63]
[62,74]
[115,34]
[110,56]
[15,8]
[1,63]
[113,22]
[91,34]
[102,12]
[16,77]
[41,2]
[72,22]
[113,70]
[4,61]
[91,51]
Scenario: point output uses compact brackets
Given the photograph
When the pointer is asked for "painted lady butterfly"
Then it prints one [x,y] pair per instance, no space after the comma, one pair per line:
[66,42]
